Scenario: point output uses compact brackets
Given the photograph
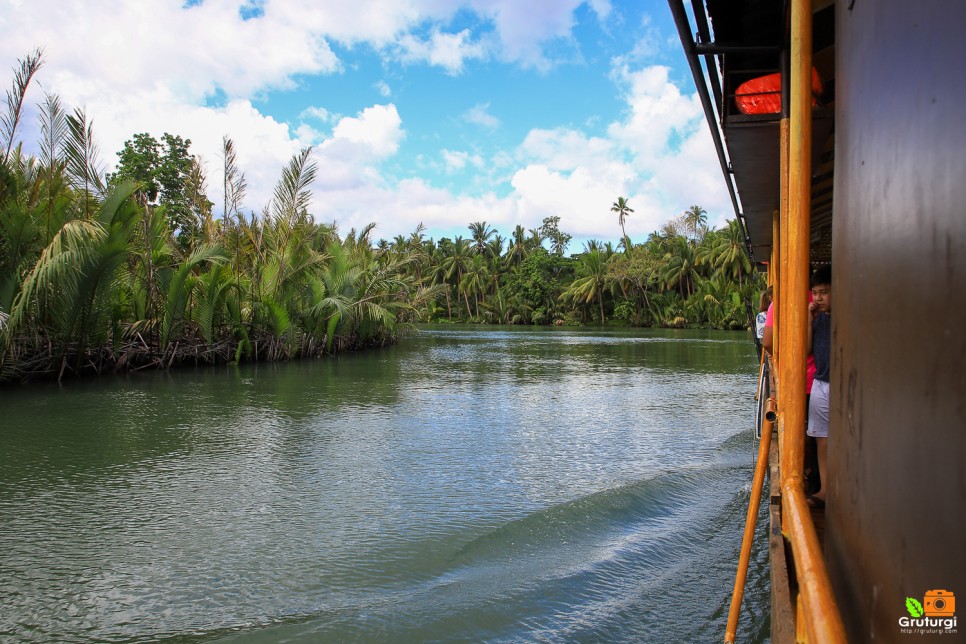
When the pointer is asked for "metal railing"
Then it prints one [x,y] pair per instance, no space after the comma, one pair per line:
[817,618]
[761,466]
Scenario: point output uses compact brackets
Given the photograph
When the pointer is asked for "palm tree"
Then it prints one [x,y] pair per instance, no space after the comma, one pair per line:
[695,218]
[417,237]
[622,208]
[474,281]
[517,250]
[70,294]
[180,290]
[730,255]
[589,286]
[292,192]
[481,234]
[90,276]
[680,268]
[494,248]
[457,257]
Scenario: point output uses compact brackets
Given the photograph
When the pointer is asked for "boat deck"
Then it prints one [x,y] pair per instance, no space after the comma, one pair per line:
[818,518]
[784,585]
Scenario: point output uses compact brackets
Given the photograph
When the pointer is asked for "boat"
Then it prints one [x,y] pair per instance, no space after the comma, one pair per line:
[868,173]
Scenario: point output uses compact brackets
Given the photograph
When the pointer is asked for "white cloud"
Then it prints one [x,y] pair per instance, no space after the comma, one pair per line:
[458,160]
[374,134]
[658,155]
[316,113]
[448,51]
[646,45]
[523,27]
[563,149]
[400,208]
[479,115]
[383,88]
[133,45]
[658,113]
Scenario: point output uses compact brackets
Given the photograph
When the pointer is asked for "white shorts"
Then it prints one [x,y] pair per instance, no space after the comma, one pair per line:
[818,410]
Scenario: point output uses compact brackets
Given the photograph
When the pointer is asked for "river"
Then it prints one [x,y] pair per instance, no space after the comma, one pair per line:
[504,484]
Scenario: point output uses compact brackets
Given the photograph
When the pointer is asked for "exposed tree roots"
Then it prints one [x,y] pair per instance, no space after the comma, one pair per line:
[37,359]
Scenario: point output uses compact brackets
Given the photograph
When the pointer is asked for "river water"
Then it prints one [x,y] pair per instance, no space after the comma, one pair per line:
[466,485]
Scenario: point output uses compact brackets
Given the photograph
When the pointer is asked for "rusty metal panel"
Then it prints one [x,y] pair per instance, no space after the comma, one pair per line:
[896,514]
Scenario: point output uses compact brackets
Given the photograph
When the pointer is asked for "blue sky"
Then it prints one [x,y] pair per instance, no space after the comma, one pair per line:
[418,111]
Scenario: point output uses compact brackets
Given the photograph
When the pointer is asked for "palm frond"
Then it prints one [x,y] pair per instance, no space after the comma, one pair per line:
[180,287]
[81,156]
[10,121]
[292,194]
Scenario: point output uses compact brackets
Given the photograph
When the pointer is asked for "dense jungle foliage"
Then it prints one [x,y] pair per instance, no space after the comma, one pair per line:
[130,270]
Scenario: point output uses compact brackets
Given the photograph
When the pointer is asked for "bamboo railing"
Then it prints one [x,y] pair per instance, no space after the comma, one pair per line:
[818,618]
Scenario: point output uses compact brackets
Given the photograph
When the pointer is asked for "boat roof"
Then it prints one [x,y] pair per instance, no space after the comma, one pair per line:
[747,42]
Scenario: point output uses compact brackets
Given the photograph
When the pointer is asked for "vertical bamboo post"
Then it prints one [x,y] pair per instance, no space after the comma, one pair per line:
[780,232]
[758,482]
[796,231]
[822,622]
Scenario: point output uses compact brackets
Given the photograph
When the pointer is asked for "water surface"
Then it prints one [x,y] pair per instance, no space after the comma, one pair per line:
[469,484]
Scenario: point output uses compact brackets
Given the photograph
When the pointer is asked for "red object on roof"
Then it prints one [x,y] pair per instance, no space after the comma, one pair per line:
[763,95]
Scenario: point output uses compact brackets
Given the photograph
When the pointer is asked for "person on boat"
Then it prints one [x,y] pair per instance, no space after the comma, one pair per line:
[763,303]
[767,342]
[820,347]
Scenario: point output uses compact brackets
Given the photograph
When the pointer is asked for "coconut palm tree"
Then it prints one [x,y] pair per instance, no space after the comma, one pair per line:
[457,258]
[695,219]
[730,253]
[517,250]
[475,281]
[591,280]
[481,233]
[622,208]
[680,269]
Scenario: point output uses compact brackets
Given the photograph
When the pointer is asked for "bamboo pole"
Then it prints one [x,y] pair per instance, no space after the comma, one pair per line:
[795,229]
[761,466]
[822,620]
[780,226]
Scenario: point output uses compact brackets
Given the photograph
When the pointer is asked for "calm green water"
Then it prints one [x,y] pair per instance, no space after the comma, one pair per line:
[467,485]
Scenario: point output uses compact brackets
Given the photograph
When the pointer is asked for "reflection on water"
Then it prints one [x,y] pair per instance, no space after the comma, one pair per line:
[468,484]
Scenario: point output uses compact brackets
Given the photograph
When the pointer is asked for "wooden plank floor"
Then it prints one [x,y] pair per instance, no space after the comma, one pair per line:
[784,586]
[818,518]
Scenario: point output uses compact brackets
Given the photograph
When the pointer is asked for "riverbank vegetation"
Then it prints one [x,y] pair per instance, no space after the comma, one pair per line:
[131,270]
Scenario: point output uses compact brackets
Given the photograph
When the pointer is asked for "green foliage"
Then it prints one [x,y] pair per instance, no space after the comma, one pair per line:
[166,174]
[590,282]
[672,280]
[539,281]
[558,239]
[130,271]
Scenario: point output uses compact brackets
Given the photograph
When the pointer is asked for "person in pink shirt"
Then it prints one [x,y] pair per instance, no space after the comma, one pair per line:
[768,341]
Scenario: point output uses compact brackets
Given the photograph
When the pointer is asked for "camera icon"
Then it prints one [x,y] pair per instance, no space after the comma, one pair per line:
[939,603]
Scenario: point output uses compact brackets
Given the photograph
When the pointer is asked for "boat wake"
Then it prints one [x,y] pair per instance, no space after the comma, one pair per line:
[652,560]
